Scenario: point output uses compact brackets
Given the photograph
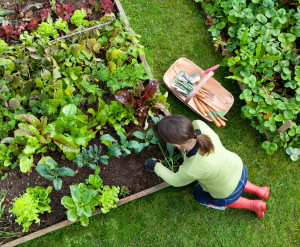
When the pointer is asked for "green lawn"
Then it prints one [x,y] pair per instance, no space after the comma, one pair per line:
[171,29]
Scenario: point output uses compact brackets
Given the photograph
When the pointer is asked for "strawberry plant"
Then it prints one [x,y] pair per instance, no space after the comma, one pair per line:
[262,38]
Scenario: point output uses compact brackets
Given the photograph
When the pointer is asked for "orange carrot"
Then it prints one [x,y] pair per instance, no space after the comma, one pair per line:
[203,105]
[218,118]
[200,108]
[201,95]
[210,115]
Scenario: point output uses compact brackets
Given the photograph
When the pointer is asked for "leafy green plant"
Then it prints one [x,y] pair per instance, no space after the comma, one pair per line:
[69,131]
[47,168]
[46,30]
[86,197]
[78,18]
[5,157]
[264,57]
[108,196]
[114,147]
[114,114]
[28,206]
[62,25]
[37,139]
[91,157]
[147,138]
[81,204]
[293,153]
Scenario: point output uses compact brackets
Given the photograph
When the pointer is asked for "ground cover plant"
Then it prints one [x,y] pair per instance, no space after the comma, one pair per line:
[262,37]
[57,97]
[171,217]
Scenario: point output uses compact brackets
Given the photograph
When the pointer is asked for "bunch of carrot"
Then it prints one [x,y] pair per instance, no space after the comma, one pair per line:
[206,110]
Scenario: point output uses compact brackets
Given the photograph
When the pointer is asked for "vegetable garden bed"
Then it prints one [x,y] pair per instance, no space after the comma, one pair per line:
[91,115]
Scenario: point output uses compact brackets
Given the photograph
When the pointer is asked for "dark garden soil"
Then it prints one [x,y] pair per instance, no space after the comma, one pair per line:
[126,171]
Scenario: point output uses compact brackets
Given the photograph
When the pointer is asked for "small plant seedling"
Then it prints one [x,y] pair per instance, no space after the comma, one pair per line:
[148,138]
[51,172]
[170,157]
[91,157]
[114,148]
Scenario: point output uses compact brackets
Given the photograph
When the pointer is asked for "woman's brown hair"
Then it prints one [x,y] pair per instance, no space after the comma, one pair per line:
[178,129]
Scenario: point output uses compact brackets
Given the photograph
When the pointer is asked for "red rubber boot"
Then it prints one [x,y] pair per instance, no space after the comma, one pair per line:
[258,206]
[262,192]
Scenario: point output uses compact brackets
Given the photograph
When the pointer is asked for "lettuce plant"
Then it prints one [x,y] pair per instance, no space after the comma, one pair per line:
[28,206]
[62,25]
[78,18]
[81,203]
[86,197]
[5,157]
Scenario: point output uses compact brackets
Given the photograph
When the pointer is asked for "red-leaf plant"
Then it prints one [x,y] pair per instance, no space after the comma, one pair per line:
[141,99]
[64,11]
[106,6]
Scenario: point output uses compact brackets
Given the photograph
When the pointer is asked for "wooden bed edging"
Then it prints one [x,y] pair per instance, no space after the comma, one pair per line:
[98,211]
[122,12]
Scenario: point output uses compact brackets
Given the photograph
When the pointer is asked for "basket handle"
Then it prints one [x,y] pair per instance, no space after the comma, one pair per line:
[201,83]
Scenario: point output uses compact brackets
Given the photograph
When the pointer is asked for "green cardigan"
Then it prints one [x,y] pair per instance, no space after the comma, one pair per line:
[217,173]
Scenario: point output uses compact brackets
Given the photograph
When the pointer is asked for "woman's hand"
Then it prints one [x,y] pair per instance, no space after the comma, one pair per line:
[150,164]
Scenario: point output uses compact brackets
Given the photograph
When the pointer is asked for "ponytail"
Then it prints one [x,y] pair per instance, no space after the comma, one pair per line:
[205,145]
[178,129]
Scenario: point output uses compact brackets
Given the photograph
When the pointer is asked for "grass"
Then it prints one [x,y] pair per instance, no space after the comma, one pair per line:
[171,29]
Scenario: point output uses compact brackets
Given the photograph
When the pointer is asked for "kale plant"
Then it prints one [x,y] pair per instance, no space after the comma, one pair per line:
[90,157]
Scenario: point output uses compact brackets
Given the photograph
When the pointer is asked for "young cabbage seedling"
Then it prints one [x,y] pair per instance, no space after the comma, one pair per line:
[50,171]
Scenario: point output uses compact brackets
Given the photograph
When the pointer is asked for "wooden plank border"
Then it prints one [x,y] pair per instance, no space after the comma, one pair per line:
[122,12]
[127,199]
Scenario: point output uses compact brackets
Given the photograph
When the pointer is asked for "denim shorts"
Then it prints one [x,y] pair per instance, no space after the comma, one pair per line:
[204,197]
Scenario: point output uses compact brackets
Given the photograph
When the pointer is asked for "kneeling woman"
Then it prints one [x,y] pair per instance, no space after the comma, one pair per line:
[221,175]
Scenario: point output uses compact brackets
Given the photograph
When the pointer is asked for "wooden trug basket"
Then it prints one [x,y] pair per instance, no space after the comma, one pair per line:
[223,100]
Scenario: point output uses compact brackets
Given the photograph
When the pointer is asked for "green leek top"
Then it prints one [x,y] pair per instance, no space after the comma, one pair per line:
[217,173]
